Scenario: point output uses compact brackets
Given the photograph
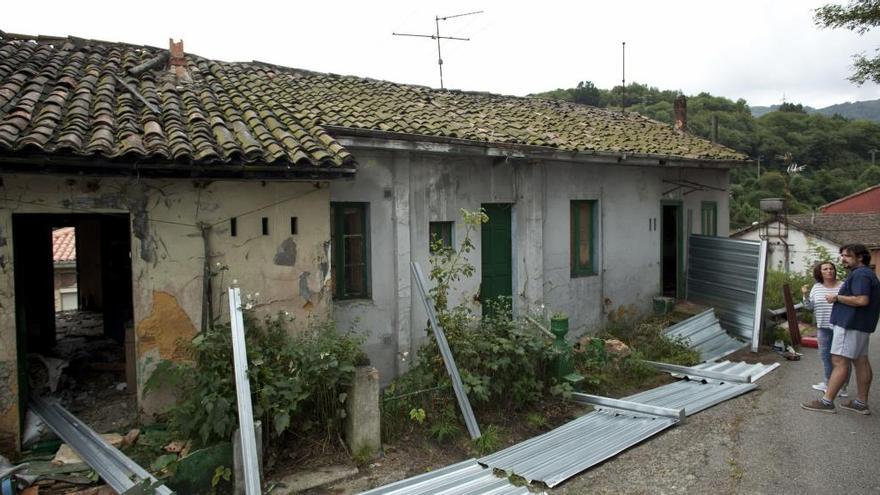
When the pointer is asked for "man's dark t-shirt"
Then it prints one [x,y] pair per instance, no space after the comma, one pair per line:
[861,282]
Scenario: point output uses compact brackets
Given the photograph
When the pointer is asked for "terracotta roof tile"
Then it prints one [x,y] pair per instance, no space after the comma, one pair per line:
[64,245]
[72,96]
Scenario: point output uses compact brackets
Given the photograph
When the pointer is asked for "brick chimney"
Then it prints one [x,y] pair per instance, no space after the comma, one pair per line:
[680,113]
[177,61]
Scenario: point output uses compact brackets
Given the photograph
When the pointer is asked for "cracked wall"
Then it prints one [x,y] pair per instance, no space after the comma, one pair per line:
[167,252]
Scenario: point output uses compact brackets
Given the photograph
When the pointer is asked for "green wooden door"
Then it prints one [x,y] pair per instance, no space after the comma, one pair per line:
[496,258]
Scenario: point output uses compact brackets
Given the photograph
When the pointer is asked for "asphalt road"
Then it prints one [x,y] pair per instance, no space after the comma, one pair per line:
[758,443]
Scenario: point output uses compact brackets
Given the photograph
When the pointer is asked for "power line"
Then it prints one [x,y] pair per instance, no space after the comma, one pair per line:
[436,36]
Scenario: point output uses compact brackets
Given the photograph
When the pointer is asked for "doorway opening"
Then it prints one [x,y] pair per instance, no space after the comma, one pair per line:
[671,250]
[496,259]
[74,316]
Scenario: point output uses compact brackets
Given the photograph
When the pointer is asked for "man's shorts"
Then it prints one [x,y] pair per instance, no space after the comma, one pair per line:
[850,344]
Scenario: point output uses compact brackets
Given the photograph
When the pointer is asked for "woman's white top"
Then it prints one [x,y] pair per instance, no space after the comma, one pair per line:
[816,302]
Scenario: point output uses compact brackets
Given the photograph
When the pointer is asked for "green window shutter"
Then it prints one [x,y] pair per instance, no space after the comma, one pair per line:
[350,240]
[583,238]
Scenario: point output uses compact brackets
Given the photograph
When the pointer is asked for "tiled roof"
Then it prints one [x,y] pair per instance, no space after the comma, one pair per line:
[841,228]
[71,97]
[67,96]
[355,102]
[64,245]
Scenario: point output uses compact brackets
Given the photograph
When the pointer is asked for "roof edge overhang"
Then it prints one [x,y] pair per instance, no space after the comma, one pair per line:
[46,164]
[357,138]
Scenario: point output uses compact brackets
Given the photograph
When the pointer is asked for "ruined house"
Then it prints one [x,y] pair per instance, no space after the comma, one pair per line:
[182,175]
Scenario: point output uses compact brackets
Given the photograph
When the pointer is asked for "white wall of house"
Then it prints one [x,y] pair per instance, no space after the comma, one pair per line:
[791,251]
[408,189]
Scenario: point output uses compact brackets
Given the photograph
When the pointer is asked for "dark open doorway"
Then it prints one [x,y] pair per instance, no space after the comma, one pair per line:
[671,250]
[73,312]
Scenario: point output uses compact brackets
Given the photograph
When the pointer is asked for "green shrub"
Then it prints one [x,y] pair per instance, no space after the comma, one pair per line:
[297,381]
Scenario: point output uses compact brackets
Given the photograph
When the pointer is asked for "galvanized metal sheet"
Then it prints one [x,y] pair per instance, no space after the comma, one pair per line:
[564,452]
[448,359]
[755,370]
[728,275]
[122,474]
[243,395]
[464,478]
[694,396]
[704,334]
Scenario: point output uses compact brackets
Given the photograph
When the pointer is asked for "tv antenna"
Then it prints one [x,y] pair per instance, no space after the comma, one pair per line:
[436,36]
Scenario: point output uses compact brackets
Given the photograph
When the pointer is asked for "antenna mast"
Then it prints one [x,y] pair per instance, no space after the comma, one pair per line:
[436,36]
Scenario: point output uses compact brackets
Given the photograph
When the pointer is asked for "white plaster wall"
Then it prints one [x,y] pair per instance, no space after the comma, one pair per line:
[290,272]
[407,190]
[799,248]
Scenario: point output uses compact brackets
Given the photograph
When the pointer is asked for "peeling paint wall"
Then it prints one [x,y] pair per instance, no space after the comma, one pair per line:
[407,190]
[9,414]
[287,270]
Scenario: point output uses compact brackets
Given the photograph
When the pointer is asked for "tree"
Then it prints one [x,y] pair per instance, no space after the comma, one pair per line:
[860,16]
[587,93]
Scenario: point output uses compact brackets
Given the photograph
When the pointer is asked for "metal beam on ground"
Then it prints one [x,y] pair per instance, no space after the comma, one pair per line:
[463,402]
[625,405]
[700,372]
[124,475]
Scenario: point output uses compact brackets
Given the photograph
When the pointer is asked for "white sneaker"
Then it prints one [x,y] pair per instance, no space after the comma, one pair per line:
[842,393]
[821,387]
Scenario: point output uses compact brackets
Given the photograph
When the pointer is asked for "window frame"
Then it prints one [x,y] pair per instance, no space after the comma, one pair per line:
[337,227]
[709,209]
[441,224]
[577,269]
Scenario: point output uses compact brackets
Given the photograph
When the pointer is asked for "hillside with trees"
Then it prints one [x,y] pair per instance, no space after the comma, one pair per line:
[835,151]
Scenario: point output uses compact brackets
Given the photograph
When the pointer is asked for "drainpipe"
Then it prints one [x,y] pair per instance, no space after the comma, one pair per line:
[207,290]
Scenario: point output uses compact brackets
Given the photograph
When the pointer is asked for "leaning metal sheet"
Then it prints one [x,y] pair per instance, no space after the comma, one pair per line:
[574,447]
[704,334]
[728,275]
[464,478]
[692,395]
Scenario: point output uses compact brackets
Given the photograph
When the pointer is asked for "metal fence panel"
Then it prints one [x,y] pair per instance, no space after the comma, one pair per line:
[564,452]
[728,275]
[704,334]
[693,396]
[464,478]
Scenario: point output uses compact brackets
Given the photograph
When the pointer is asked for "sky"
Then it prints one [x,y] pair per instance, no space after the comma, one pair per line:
[761,51]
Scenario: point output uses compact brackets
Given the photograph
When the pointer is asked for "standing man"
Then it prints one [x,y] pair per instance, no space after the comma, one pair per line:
[854,317]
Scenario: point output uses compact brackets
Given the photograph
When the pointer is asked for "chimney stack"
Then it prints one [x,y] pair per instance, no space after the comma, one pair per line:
[177,61]
[679,109]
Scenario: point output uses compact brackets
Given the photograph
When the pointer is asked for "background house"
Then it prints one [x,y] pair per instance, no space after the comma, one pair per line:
[864,201]
[64,263]
[793,240]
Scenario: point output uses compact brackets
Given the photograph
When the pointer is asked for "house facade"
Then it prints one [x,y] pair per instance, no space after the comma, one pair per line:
[865,201]
[797,241]
[313,193]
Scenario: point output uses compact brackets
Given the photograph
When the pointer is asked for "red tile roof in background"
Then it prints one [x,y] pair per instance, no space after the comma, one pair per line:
[64,245]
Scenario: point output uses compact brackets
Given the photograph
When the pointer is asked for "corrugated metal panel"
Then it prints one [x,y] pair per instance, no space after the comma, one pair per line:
[728,275]
[756,370]
[562,453]
[704,334]
[693,396]
[464,478]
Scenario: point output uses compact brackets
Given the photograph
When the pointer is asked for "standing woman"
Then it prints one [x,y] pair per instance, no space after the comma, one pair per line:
[825,275]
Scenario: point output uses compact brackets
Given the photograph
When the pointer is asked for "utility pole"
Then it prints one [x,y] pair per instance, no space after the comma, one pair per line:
[759,166]
[623,79]
[436,36]
[872,156]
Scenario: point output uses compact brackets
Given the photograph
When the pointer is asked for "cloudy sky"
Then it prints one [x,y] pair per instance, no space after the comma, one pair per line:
[761,51]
